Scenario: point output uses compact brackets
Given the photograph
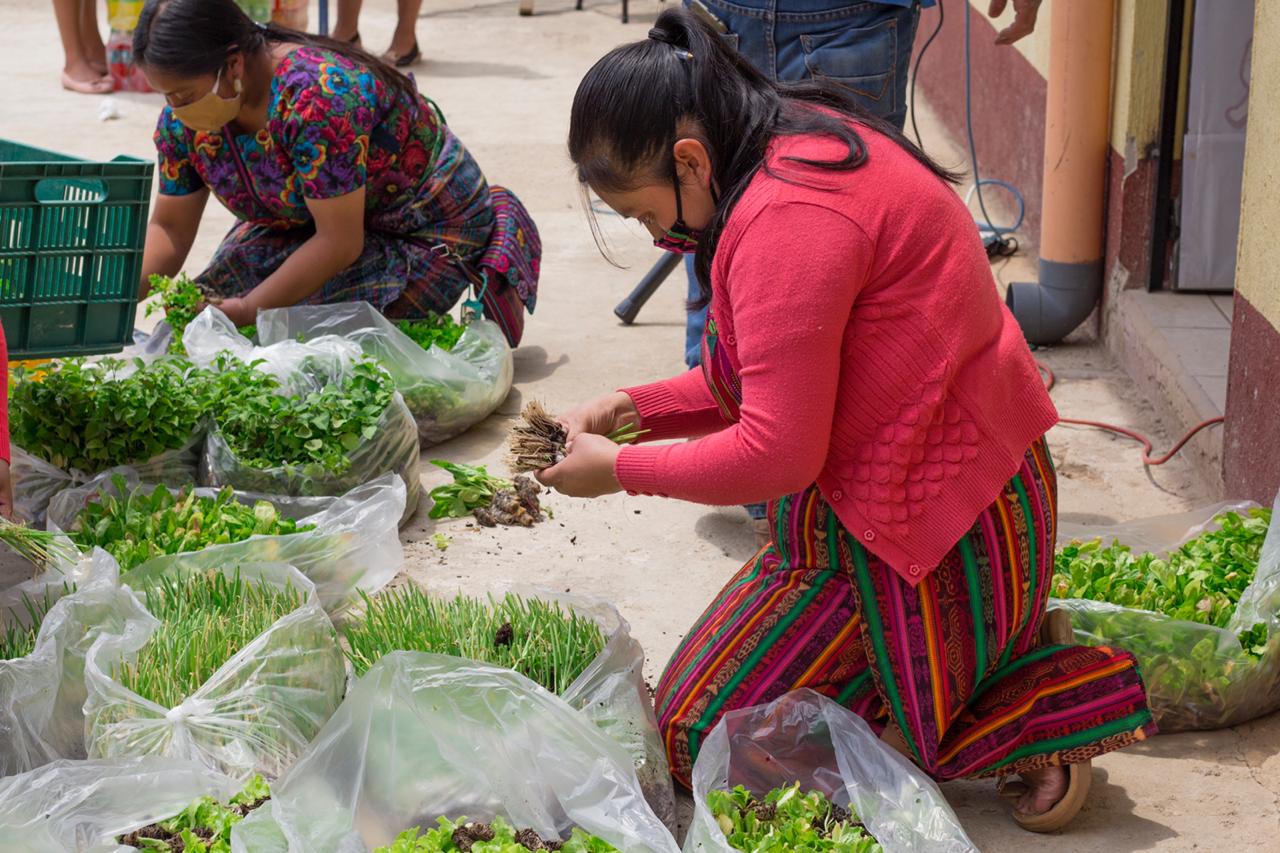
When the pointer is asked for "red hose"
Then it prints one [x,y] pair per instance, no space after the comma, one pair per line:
[1050,379]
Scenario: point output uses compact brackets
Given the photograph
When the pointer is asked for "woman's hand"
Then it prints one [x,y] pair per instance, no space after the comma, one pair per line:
[601,416]
[587,471]
[238,311]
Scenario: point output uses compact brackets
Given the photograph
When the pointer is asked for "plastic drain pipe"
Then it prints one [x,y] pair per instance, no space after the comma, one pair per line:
[1076,145]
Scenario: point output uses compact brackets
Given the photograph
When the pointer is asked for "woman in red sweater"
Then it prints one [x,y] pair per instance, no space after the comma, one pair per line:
[861,374]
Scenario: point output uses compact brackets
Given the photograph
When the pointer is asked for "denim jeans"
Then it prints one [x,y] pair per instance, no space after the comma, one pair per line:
[865,47]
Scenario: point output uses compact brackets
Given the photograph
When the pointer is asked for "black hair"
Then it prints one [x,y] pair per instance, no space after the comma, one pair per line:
[685,80]
[192,38]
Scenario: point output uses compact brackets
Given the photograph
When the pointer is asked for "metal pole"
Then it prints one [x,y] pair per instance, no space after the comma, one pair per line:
[630,307]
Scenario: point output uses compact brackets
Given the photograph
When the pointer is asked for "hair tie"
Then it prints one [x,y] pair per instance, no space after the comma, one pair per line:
[661,35]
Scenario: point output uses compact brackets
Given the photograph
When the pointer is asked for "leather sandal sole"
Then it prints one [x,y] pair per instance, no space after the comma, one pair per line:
[1079,779]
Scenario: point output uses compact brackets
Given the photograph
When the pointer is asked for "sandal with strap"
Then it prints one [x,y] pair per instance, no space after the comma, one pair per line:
[410,58]
[1079,779]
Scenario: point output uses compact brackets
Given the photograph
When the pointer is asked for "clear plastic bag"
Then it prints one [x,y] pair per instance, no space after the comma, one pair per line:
[42,695]
[447,392]
[255,714]
[422,736]
[394,447]
[86,805]
[611,693]
[1197,676]
[807,738]
[355,543]
[36,482]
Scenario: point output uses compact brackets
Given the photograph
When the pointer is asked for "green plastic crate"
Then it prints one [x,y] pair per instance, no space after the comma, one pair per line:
[71,236]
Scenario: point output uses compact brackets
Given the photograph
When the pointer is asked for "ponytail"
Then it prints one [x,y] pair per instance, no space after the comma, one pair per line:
[684,80]
[193,38]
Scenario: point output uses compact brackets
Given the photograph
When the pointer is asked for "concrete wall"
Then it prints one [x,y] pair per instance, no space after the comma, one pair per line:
[1008,115]
[1251,451]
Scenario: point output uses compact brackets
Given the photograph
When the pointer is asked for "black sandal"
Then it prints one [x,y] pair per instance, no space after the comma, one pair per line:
[410,58]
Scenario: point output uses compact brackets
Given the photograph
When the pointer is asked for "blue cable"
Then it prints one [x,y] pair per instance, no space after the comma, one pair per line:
[997,232]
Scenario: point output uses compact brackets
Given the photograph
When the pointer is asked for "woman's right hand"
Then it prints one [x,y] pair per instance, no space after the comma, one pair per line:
[601,416]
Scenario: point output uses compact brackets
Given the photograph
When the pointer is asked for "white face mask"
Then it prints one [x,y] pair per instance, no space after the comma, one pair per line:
[210,113]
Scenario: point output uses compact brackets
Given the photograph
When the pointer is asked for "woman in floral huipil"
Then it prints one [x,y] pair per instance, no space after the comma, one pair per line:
[347,183]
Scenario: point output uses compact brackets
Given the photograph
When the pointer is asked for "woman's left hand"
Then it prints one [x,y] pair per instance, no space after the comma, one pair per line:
[587,470]
[238,311]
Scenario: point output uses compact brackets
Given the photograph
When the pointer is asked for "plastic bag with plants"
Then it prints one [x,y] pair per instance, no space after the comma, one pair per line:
[804,773]
[1195,597]
[340,544]
[304,419]
[239,672]
[423,737]
[76,420]
[452,375]
[89,805]
[576,648]
[47,626]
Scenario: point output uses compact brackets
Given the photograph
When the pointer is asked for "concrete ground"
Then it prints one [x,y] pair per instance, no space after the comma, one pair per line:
[505,83]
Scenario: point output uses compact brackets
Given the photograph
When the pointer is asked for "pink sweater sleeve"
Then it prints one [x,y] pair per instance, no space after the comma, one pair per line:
[677,408]
[791,285]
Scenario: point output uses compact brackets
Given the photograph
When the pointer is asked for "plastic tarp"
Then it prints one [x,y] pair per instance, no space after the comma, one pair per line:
[1197,676]
[355,543]
[807,738]
[448,392]
[422,736]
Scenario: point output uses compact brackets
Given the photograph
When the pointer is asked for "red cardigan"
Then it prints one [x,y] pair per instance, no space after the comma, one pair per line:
[875,355]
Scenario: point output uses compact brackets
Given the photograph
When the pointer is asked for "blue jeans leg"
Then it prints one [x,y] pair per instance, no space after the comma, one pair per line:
[695,320]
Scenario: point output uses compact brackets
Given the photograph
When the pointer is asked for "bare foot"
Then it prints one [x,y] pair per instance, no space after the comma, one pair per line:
[1046,787]
[84,79]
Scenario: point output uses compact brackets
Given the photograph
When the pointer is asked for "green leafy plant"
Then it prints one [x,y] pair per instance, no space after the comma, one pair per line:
[787,820]
[439,330]
[497,836]
[41,547]
[315,430]
[250,332]
[180,300]
[205,618]
[90,417]
[492,500]
[472,487]
[538,639]
[1199,582]
[18,637]
[204,826]
[137,526]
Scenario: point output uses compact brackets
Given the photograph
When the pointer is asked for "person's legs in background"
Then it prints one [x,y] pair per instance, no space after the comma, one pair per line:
[404,44]
[347,26]
[91,43]
[84,55]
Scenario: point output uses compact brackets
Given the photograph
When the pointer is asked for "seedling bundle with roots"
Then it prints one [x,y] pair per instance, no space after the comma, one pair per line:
[539,441]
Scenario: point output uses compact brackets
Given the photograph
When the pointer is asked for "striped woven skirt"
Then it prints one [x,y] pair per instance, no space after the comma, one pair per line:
[955,662]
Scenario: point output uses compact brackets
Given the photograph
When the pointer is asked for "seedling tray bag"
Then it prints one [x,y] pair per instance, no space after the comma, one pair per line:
[42,695]
[807,738]
[36,482]
[448,391]
[255,714]
[422,736]
[392,448]
[1197,676]
[355,543]
[612,694]
[85,805]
